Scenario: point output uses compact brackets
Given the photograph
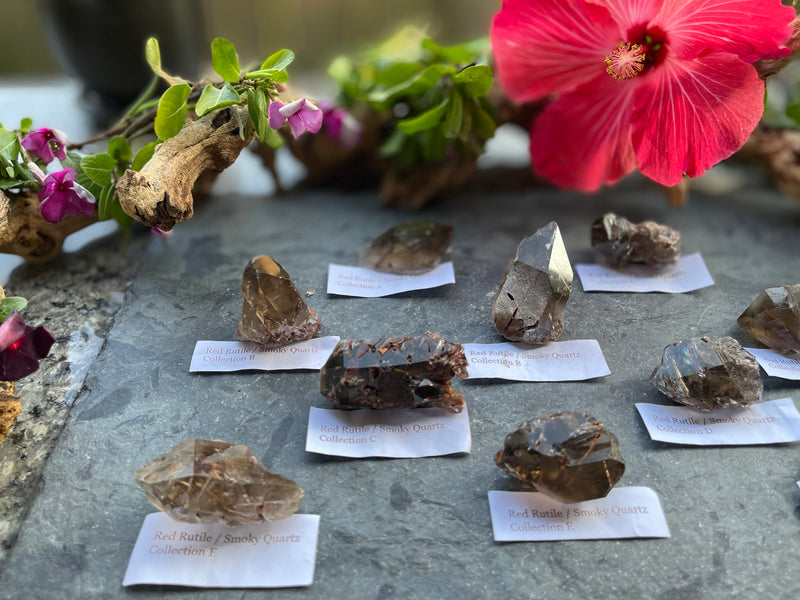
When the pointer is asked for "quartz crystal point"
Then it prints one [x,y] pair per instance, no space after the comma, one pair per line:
[774,319]
[401,372]
[569,456]
[618,242]
[528,305]
[273,312]
[204,481]
[407,249]
[707,373]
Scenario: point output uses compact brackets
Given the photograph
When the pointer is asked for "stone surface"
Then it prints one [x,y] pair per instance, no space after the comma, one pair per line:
[618,242]
[9,408]
[774,319]
[569,456]
[273,312]
[707,373]
[400,372]
[211,481]
[529,303]
[406,249]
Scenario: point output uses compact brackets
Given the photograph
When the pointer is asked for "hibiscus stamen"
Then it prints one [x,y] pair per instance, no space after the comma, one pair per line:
[626,61]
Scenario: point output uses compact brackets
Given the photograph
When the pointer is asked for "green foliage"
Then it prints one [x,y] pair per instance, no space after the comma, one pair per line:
[432,98]
[225,60]
[144,154]
[213,98]
[10,304]
[172,109]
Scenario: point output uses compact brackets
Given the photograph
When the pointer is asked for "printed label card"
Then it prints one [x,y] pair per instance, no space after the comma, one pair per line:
[366,283]
[627,512]
[686,275]
[776,364]
[772,422]
[269,555]
[398,433]
[241,356]
[574,360]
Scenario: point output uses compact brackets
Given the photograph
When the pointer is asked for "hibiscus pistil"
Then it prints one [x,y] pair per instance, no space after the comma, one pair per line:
[626,61]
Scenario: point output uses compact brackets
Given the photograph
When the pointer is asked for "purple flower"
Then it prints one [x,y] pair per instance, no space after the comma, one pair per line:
[342,127]
[301,114]
[62,196]
[21,347]
[164,235]
[46,144]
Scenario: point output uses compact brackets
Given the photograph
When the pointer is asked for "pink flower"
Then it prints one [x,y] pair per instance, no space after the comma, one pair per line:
[301,114]
[342,127]
[46,144]
[61,195]
[21,347]
[662,85]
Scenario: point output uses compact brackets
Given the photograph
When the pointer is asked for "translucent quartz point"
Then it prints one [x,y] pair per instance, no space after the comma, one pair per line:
[273,312]
[569,456]
[205,481]
[618,242]
[400,372]
[707,373]
[774,319]
[409,248]
[528,305]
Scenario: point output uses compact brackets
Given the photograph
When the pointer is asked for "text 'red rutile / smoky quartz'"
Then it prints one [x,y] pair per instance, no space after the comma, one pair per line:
[211,481]
[569,456]
[618,242]
[774,319]
[707,373]
[273,312]
[529,303]
[407,249]
[399,372]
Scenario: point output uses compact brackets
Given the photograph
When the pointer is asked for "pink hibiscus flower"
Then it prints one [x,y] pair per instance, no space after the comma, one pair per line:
[301,114]
[46,144]
[61,195]
[662,85]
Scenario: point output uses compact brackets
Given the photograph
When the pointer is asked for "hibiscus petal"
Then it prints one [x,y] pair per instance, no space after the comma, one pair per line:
[751,29]
[693,114]
[583,139]
[630,13]
[546,46]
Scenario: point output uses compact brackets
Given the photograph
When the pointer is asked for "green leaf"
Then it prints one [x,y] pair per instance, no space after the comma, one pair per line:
[25,124]
[340,70]
[475,81]
[10,184]
[270,74]
[397,73]
[214,97]
[452,54]
[73,160]
[120,216]
[9,304]
[152,54]
[119,149]
[278,61]
[793,112]
[9,146]
[257,106]
[455,116]
[427,120]
[98,168]
[414,86]
[483,123]
[434,145]
[393,145]
[272,138]
[172,110]
[224,59]
[104,202]
[144,155]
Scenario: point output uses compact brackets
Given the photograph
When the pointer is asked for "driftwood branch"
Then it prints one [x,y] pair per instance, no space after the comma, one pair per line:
[160,195]
[24,232]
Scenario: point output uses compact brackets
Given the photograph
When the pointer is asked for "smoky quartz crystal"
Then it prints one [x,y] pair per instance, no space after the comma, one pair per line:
[707,373]
[399,372]
[774,319]
[273,312]
[618,242]
[529,303]
[569,456]
[211,481]
[407,249]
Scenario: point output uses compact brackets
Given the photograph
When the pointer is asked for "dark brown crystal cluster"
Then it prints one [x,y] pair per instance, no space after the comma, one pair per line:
[407,249]
[618,242]
[400,372]
[774,319]
[569,456]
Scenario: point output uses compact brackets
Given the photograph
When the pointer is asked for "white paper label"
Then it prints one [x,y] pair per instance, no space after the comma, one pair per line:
[366,283]
[400,433]
[573,360]
[771,422]
[627,512]
[776,364]
[277,554]
[240,356]
[686,275]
